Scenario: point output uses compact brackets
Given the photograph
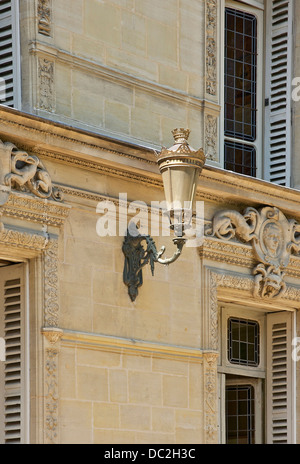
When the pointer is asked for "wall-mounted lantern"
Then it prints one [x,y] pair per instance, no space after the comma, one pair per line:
[180,167]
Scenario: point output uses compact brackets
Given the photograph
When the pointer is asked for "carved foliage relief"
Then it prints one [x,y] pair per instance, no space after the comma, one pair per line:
[211,46]
[44,17]
[46,85]
[274,239]
[211,137]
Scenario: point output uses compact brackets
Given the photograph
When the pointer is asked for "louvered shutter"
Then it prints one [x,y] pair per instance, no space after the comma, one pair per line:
[10,75]
[279,20]
[12,374]
[279,378]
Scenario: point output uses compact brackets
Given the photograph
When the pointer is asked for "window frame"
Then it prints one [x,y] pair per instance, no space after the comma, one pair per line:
[256,9]
[21,269]
[14,20]
[258,401]
[239,369]
[257,376]
[247,322]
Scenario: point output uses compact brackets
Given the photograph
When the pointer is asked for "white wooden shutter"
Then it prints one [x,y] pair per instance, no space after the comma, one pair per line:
[279,32]
[279,378]
[12,373]
[10,74]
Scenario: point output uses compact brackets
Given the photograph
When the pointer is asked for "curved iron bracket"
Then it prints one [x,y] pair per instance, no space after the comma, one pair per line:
[137,256]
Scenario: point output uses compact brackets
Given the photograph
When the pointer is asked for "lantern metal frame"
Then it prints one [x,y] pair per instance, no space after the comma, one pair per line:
[180,167]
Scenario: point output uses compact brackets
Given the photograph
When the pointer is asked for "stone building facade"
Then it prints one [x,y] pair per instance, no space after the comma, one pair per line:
[90,90]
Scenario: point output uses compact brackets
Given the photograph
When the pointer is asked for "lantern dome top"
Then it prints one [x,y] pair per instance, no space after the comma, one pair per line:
[181,153]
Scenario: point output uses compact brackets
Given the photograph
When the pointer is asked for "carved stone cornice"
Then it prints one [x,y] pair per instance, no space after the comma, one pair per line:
[109,156]
[227,252]
[245,284]
[31,209]
[103,168]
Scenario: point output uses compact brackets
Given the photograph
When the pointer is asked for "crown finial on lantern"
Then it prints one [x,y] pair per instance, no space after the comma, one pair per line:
[181,135]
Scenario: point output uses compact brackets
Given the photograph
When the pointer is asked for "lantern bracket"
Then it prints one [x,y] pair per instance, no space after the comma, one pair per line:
[139,254]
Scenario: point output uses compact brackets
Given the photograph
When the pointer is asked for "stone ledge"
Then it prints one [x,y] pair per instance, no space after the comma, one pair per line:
[118,344]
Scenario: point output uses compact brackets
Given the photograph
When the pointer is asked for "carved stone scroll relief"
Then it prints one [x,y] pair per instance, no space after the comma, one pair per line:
[211,137]
[44,10]
[211,398]
[51,396]
[26,173]
[274,239]
[211,47]
[46,98]
[52,336]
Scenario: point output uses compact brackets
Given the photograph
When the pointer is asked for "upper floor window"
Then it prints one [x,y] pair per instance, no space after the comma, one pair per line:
[10,73]
[240,92]
[257,87]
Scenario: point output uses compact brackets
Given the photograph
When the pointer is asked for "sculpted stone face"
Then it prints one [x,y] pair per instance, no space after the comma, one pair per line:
[272,238]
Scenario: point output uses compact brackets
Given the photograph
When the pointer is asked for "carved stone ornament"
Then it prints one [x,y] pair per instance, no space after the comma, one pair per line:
[274,239]
[46,90]
[211,47]
[44,17]
[26,173]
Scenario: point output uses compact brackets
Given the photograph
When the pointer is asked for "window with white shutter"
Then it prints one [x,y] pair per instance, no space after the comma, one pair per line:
[12,369]
[242,90]
[279,24]
[10,75]
[257,376]
[279,378]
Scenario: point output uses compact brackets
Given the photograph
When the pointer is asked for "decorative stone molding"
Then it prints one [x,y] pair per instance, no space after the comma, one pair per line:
[46,91]
[51,310]
[230,252]
[52,334]
[44,13]
[246,285]
[23,240]
[28,208]
[235,282]
[274,239]
[51,396]
[211,61]
[210,397]
[209,301]
[211,137]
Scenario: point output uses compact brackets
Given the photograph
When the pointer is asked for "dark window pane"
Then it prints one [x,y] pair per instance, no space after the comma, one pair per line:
[241,62]
[230,39]
[243,343]
[230,25]
[239,157]
[240,423]
[251,353]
